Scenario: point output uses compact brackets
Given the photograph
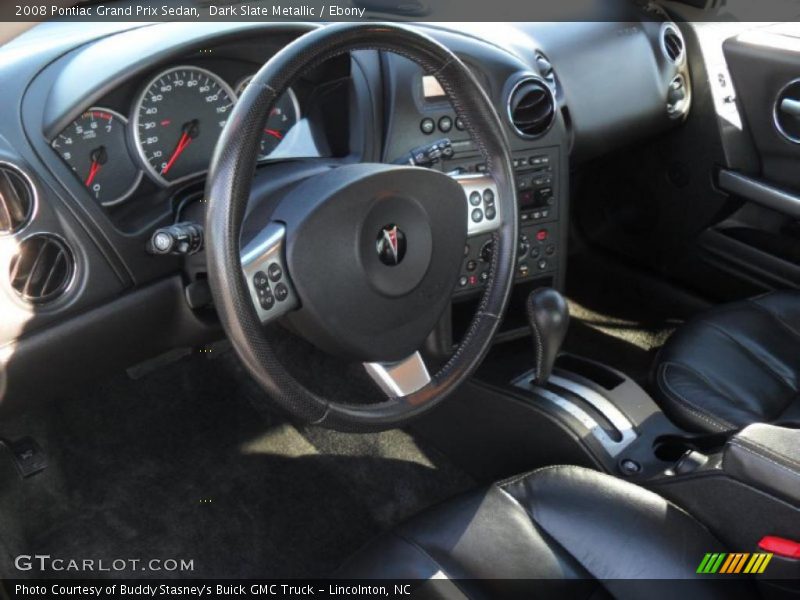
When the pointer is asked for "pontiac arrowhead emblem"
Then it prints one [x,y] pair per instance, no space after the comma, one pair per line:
[391,245]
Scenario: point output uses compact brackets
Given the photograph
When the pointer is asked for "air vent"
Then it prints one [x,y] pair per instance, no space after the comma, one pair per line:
[42,268]
[531,107]
[672,43]
[16,199]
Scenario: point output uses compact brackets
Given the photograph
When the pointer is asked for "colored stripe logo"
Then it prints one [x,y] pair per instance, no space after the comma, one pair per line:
[732,564]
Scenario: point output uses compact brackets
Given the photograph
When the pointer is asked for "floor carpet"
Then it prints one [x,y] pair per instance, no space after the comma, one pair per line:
[178,464]
[621,317]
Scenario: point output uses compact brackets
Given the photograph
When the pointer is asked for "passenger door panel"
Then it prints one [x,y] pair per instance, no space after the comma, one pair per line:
[760,243]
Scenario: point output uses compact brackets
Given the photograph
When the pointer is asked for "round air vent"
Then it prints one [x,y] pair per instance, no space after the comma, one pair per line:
[16,199]
[786,113]
[42,268]
[672,43]
[531,107]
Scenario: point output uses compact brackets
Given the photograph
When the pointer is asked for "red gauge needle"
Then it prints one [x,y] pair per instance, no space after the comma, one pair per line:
[92,172]
[99,158]
[274,133]
[182,143]
[190,132]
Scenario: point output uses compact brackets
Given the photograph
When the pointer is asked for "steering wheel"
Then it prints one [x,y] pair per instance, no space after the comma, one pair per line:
[360,260]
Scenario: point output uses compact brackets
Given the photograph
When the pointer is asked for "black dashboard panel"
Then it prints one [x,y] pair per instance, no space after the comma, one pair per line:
[367,107]
[613,76]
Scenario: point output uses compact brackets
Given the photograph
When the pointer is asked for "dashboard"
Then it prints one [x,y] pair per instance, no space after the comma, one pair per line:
[136,136]
[117,127]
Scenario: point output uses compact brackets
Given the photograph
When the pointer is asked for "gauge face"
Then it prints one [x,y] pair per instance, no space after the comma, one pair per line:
[178,120]
[282,118]
[96,149]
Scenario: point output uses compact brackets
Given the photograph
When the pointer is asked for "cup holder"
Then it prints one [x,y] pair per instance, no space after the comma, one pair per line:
[670,448]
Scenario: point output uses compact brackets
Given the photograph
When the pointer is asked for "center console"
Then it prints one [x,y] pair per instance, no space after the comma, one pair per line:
[424,128]
[531,407]
[538,254]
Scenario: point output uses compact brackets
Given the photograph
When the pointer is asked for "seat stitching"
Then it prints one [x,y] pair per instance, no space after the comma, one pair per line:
[757,454]
[537,336]
[768,451]
[750,353]
[512,480]
[781,321]
[718,422]
[734,400]
[427,555]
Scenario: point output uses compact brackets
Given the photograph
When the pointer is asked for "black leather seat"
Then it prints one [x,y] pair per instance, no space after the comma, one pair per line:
[565,530]
[734,365]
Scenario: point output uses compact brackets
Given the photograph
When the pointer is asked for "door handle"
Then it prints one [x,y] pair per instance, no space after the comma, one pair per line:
[791,107]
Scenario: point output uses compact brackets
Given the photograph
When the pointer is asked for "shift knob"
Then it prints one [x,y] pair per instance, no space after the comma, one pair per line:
[548,315]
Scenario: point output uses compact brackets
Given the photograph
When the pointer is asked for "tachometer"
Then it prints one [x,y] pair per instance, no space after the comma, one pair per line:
[95,148]
[178,120]
[283,117]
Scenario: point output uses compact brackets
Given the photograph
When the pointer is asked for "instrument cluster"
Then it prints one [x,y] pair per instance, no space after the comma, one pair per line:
[170,133]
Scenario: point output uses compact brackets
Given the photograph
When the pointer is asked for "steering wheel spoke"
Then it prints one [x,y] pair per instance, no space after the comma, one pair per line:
[480,193]
[264,268]
[400,378]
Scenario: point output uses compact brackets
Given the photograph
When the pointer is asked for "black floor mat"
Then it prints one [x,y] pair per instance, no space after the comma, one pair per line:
[179,465]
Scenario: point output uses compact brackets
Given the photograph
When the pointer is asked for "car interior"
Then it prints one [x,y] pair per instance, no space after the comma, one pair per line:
[448,302]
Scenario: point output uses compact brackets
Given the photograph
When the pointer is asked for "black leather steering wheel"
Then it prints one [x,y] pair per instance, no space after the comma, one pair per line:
[360,260]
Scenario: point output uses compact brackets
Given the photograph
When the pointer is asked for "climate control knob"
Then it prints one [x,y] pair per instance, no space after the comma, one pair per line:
[524,247]
[486,252]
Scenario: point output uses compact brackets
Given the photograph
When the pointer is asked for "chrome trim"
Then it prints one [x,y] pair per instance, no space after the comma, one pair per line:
[790,107]
[602,404]
[681,108]
[552,100]
[126,133]
[776,106]
[667,26]
[134,124]
[401,378]
[479,183]
[34,198]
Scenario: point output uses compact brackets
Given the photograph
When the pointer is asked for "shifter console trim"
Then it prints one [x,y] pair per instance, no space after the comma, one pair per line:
[603,405]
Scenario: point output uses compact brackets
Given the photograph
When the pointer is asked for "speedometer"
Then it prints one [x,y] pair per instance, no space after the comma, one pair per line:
[177,121]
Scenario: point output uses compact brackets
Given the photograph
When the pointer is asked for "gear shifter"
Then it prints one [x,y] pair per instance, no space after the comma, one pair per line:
[548,315]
